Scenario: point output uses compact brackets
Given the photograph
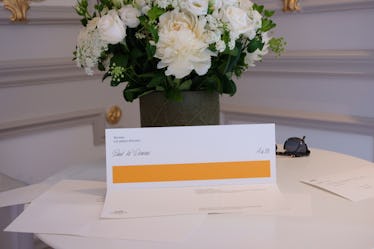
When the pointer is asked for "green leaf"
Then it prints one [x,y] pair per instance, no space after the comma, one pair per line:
[154,32]
[150,27]
[229,87]
[259,8]
[172,82]
[119,60]
[186,85]
[267,25]
[114,83]
[135,54]
[233,52]
[101,66]
[84,22]
[151,50]
[160,88]
[269,13]
[145,93]
[226,36]
[214,83]
[154,13]
[103,4]
[156,81]
[81,7]
[254,44]
[174,94]
[132,93]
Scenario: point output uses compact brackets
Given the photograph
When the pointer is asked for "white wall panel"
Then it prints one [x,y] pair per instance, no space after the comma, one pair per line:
[310,94]
[327,30]
[22,41]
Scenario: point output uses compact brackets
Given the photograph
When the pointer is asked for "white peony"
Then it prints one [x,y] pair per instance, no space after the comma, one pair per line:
[181,47]
[130,16]
[111,28]
[196,7]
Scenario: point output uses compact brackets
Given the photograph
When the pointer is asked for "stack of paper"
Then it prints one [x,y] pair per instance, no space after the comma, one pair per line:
[161,184]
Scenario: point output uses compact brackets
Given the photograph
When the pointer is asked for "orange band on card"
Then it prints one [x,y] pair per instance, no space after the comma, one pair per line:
[190,171]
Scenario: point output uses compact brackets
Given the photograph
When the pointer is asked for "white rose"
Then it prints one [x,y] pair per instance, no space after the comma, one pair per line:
[238,20]
[111,28]
[196,7]
[129,16]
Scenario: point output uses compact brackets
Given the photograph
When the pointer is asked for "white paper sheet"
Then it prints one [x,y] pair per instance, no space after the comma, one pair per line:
[22,195]
[355,185]
[189,159]
[73,207]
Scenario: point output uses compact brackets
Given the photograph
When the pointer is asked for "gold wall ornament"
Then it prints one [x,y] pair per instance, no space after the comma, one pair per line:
[18,8]
[113,115]
[291,5]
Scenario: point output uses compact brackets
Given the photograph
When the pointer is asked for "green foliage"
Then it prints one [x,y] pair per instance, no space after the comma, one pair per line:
[82,10]
[155,13]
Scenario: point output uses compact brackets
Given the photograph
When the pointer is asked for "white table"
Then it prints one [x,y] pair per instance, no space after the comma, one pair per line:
[335,223]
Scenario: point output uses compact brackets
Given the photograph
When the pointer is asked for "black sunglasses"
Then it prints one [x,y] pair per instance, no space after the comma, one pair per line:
[295,147]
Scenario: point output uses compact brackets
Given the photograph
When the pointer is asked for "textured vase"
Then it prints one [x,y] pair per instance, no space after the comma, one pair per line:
[196,108]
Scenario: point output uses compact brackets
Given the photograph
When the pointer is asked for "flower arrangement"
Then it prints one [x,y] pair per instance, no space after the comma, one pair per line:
[173,45]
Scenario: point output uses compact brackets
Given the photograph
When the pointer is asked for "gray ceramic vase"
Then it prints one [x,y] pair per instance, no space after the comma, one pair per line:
[196,108]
